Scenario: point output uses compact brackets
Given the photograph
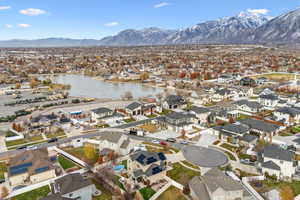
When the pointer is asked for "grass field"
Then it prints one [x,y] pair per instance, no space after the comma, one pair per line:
[65,163]
[105,194]
[147,193]
[24,141]
[34,194]
[181,174]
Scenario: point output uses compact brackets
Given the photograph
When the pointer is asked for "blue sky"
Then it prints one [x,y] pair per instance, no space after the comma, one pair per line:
[32,19]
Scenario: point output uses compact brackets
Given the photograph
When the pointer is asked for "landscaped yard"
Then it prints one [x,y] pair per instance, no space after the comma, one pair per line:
[57,134]
[3,169]
[165,111]
[151,128]
[230,155]
[24,141]
[118,183]
[151,147]
[147,193]
[34,194]
[129,120]
[190,164]
[79,152]
[151,116]
[181,174]
[172,193]
[296,129]
[65,163]
[105,194]
[229,147]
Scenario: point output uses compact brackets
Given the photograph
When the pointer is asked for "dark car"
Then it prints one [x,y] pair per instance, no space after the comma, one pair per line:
[171,140]
[22,147]
[18,187]
[163,143]
[52,140]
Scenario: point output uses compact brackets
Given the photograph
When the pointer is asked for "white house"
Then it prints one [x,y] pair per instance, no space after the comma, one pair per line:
[289,116]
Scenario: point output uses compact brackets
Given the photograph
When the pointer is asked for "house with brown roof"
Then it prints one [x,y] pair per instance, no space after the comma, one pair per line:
[31,167]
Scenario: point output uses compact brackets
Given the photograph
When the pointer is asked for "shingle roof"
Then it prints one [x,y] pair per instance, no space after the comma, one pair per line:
[275,152]
[175,99]
[290,111]
[260,125]
[235,128]
[101,110]
[269,96]
[199,110]
[251,104]
[133,105]
[270,165]
[70,183]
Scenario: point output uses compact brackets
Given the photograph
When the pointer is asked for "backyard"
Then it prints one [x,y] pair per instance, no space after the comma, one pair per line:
[80,153]
[24,141]
[171,193]
[181,174]
[147,192]
[105,195]
[3,169]
[65,163]
[34,194]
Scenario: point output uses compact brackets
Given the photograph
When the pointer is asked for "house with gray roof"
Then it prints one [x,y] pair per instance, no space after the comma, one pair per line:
[264,130]
[177,121]
[173,102]
[288,115]
[233,131]
[214,184]
[70,187]
[135,108]
[145,165]
[268,100]
[275,160]
[201,114]
[249,106]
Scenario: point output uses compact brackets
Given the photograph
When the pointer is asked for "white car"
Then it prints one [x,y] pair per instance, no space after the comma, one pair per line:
[184,142]
[32,147]
[155,141]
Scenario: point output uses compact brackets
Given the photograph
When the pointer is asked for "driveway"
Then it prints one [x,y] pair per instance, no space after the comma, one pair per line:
[163,135]
[204,157]
[206,139]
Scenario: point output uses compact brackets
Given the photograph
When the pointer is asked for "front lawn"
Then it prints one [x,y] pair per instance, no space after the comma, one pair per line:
[24,141]
[151,116]
[229,147]
[3,169]
[230,155]
[65,163]
[151,128]
[172,193]
[190,164]
[55,135]
[181,174]
[296,129]
[34,194]
[272,184]
[147,192]
[129,120]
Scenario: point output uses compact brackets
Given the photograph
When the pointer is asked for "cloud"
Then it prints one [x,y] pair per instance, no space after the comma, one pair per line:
[24,25]
[162,4]
[8,25]
[110,24]
[33,12]
[4,7]
[258,11]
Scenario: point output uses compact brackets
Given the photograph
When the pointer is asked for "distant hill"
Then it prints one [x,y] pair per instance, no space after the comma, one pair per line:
[243,28]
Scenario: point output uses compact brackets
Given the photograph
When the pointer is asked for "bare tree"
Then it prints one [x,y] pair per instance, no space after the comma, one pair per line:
[128,95]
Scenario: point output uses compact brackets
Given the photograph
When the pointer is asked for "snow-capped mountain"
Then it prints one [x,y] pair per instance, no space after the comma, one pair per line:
[282,29]
[224,30]
[147,36]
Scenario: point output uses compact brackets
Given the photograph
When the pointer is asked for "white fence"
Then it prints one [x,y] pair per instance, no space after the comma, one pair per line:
[71,157]
[18,137]
[164,188]
[250,188]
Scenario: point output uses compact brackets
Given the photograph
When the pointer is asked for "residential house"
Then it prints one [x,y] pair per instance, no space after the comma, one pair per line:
[249,106]
[246,81]
[144,165]
[232,132]
[115,141]
[201,114]
[174,102]
[177,121]
[101,113]
[262,129]
[275,160]
[70,187]
[31,167]
[215,185]
[287,115]
[134,108]
[269,100]
[223,94]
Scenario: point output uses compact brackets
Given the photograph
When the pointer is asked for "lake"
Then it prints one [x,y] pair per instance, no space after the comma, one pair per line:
[85,86]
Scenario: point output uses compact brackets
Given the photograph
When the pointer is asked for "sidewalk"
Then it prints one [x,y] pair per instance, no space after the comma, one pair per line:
[2,144]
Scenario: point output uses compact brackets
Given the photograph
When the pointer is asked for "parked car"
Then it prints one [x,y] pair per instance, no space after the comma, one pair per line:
[155,141]
[184,142]
[32,147]
[163,143]
[52,140]
[18,187]
[22,147]
[171,140]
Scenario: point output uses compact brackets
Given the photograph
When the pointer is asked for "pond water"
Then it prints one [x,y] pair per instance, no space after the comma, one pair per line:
[84,86]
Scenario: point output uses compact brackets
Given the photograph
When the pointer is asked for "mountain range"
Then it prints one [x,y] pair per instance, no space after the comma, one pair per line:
[245,27]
